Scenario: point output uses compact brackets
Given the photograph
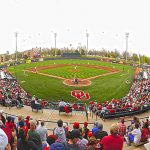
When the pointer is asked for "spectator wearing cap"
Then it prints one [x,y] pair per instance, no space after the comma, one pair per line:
[27,121]
[122,128]
[2,117]
[60,132]
[42,130]
[24,143]
[112,141]
[100,133]
[34,136]
[76,125]
[95,128]
[90,134]
[51,139]
[85,130]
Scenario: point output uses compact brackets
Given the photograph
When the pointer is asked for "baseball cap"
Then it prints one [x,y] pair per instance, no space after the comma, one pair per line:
[76,125]
[90,134]
[85,123]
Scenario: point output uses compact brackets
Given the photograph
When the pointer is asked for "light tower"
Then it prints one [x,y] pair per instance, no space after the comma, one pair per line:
[16,35]
[127,36]
[87,41]
[55,35]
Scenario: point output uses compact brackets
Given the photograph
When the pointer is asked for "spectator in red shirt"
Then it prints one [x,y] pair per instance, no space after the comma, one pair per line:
[112,141]
[7,131]
[112,111]
[9,123]
[27,121]
[122,128]
[145,133]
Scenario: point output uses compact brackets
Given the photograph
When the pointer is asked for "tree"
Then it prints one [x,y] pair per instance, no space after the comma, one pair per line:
[82,52]
[76,51]
[135,57]
[58,52]
[147,60]
[19,55]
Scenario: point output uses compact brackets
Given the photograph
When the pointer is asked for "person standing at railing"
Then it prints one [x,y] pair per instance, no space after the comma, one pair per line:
[34,136]
[60,132]
[42,130]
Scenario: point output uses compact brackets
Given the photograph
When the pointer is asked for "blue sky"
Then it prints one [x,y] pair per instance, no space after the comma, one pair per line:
[106,21]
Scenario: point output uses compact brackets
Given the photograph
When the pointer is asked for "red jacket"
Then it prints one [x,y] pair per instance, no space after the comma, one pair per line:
[112,142]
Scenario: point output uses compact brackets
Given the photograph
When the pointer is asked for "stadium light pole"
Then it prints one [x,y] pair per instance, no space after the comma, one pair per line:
[55,35]
[16,36]
[127,36]
[87,41]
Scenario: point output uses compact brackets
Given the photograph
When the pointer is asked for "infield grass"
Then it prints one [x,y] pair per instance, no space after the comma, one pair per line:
[74,72]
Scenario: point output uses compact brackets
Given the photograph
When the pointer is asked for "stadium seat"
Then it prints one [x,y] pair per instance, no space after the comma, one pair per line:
[36,106]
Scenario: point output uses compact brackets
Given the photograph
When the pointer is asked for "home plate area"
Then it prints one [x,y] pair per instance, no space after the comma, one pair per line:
[77,82]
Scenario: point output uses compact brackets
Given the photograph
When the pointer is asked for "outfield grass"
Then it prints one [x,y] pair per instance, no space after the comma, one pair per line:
[103,88]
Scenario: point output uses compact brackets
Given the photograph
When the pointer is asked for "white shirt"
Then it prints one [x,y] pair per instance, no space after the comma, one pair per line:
[62,103]
[42,132]
[137,135]
[3,140]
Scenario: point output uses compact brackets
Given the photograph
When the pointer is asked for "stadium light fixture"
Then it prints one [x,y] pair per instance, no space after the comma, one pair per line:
[87,41]
[16,36]
[127,36]
[55,35]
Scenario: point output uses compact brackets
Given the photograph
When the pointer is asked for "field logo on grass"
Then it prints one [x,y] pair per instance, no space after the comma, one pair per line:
[80,95]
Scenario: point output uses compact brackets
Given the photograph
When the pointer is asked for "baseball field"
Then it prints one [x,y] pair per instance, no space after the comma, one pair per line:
[54,79]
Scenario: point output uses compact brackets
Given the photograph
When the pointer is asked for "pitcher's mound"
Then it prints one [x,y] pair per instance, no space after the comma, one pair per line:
[81,82]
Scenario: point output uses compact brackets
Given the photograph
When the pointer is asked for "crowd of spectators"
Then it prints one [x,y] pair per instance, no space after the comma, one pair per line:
[25,133]
[11,93]
[137,98]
